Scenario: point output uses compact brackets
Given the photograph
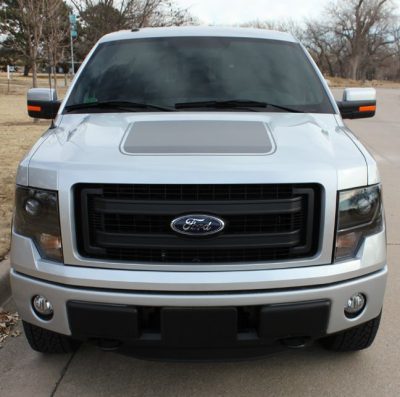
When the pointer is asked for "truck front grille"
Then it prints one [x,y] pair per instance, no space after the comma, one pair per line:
[132,222]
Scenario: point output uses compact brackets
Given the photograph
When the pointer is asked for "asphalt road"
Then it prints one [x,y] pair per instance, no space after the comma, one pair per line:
[308,372]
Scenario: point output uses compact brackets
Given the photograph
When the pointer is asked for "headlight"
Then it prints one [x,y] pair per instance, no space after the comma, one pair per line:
[36,216]
[359,215]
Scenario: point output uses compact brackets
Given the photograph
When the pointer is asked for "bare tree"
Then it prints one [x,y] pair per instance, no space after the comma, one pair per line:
[167,14]
[22,23]
[142,11]
[55,34]
[31,13]
[286,25]
[364,26]
[358,39]
[395,64]
[326,48]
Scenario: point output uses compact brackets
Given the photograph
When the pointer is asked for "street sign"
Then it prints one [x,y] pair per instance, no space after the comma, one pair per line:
[73,35]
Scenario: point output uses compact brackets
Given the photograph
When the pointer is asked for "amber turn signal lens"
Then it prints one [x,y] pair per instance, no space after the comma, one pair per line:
[32,108]
[346,241]
[51,245]
[49,242]
[367,108]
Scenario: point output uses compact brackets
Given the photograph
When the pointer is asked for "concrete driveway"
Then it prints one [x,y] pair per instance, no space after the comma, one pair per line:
[309,372]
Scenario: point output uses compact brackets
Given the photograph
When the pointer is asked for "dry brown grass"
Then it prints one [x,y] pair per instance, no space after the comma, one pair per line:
[339,82]
[18,133]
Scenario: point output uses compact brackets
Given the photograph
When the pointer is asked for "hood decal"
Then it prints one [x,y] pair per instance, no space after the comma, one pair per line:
[198,137]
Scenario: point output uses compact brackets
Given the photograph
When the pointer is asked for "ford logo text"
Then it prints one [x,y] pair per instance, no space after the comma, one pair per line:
[197,225]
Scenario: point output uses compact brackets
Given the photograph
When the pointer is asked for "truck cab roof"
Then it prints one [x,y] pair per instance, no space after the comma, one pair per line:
[199,31]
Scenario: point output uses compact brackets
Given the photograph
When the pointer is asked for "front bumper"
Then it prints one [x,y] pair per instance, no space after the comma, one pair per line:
[256,290]
[372,286]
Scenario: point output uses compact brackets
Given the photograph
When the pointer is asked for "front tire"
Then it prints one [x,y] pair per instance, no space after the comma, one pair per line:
[357,338]
[45,341]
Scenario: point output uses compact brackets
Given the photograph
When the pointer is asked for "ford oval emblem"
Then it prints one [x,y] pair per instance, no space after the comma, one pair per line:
[197,225]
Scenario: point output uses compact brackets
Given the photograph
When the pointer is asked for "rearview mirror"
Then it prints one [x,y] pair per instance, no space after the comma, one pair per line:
[43,103]
[358,103]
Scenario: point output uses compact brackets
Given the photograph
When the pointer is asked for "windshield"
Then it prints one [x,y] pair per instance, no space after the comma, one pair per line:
[171,71]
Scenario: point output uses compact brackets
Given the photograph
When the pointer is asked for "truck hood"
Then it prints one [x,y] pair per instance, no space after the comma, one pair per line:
[134,148]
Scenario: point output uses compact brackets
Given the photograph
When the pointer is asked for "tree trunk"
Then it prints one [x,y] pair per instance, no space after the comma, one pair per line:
[55,80]
[55,77]
[26,70]
[34,73]
[34,80]
[329,65]
[354,64]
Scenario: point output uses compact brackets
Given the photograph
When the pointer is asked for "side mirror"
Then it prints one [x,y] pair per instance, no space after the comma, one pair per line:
[43,103]
[358,103]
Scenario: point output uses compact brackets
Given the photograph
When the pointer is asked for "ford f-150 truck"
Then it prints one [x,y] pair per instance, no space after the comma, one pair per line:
[198,195]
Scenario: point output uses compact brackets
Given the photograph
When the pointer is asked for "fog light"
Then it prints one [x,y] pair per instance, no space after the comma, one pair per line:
[42,307]
[355,305]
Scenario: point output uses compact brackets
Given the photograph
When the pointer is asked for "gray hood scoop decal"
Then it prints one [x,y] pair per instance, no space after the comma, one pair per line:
[198,137]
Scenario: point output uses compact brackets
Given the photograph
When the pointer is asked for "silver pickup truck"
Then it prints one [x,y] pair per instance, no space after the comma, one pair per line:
[198,195]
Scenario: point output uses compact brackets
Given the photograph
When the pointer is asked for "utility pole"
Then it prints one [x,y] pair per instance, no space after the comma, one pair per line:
[73,33]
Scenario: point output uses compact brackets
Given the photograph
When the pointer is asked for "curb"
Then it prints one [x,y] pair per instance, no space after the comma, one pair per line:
[5,288]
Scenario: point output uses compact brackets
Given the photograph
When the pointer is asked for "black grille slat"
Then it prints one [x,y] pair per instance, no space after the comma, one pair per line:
[245,207]
[147,224]
[198,192]
[132,222]
[197,256]
[121,240]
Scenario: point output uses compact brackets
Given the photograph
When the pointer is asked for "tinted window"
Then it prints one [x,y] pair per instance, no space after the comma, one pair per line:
[170,70]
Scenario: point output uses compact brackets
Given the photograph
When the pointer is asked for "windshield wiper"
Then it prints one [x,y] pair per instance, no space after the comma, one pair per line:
[232,104]
[118,105]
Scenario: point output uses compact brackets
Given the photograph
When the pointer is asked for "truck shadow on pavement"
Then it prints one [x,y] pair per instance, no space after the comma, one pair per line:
[90,371]
[289,372]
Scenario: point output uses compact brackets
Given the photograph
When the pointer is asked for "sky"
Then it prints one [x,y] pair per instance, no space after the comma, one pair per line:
[230,12]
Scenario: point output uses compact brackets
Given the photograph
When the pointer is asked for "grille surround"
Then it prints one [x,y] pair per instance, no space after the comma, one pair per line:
[131,223]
